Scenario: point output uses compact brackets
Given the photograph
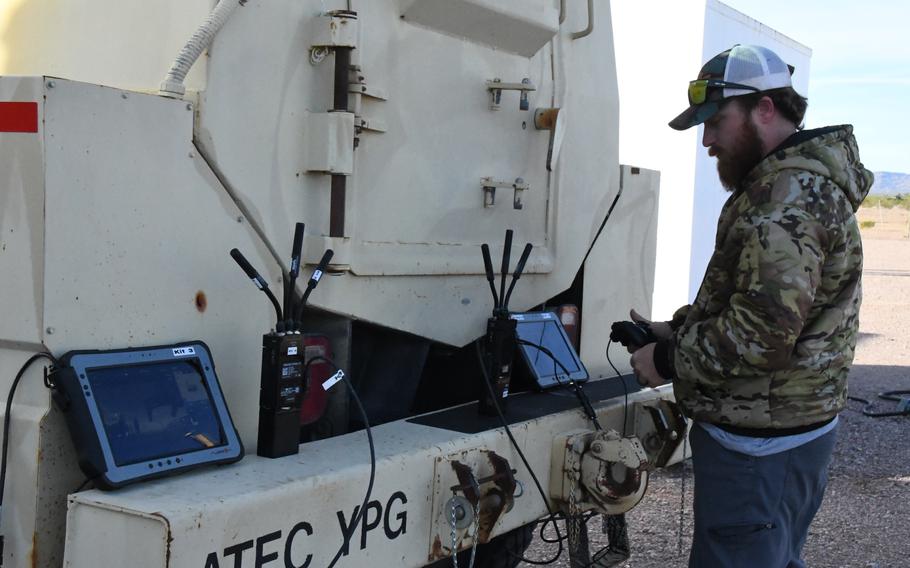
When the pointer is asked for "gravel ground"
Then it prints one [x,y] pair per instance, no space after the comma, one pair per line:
[864,520]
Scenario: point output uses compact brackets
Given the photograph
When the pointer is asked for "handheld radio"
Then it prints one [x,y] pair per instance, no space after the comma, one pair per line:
[281,384]
[500,340]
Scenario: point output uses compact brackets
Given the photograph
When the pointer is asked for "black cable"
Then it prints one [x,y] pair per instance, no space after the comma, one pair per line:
[366,424]
[625,389]
[888,395]
[85,484]
[9,405]
[7,418]
[543,495]
[579,392]
[607,218]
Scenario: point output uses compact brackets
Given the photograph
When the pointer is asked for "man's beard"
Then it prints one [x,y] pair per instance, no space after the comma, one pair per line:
[735,163]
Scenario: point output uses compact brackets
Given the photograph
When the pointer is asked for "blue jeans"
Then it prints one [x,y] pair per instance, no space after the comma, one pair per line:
[754,512]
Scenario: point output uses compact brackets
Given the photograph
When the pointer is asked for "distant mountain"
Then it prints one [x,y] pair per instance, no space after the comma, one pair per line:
[891,183]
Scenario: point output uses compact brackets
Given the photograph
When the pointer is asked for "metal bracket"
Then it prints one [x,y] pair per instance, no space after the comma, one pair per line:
[371,124]
[499,500]
[489,186]
[359,86]
[665,433]
[496,87]
[341,30]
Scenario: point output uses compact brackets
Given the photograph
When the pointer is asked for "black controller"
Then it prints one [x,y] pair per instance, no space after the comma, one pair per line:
[631,334]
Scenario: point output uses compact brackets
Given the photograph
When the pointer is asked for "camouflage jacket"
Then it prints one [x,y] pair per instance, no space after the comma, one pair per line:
[769,340]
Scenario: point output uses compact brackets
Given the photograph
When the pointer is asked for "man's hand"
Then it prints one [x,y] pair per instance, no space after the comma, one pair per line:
[659,329]
[644,369]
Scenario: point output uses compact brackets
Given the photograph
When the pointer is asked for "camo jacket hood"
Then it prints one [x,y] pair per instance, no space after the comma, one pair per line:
[770,338]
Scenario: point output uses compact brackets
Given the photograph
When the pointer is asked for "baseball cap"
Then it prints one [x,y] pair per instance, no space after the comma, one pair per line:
[740,70]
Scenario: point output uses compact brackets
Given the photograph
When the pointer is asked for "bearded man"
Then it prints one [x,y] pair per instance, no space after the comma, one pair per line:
[760,359]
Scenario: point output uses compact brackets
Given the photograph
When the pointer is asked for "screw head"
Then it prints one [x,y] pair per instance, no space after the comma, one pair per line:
[51,84]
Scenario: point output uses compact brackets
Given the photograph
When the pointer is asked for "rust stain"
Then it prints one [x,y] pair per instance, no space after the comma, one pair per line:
[33,553]
[169,538]
[201,301]
[437,552]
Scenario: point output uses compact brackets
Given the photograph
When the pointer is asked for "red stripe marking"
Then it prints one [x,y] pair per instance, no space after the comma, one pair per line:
[18,117]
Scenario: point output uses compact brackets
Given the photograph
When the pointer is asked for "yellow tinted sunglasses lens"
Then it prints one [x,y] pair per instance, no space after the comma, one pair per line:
[697,91]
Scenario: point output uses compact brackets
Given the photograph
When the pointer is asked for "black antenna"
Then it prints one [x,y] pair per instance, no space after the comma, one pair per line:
[491,277]
[517,274]
[314,280]
[506,253]
[294,271]
[258,280]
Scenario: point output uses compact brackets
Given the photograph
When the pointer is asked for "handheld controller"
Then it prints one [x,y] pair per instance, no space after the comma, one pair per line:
[631,334]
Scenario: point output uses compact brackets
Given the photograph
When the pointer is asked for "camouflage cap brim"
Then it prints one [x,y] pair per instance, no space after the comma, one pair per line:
[694,115]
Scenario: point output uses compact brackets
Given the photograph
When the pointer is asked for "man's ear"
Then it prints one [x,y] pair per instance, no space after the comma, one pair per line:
[765,111]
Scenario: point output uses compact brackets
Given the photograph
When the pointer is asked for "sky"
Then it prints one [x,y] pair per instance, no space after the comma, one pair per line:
[860,68]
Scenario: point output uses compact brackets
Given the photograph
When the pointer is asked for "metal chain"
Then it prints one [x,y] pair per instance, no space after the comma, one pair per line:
[475,527]
[572,527]
[454,536]
[682,500]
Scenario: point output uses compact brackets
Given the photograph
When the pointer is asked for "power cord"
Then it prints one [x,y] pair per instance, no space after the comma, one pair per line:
[625,389]
[7,419]
[903,404]
[551,515]
[366,423]
[579,392]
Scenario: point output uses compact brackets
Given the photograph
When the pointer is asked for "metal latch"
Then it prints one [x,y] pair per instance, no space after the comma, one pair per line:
[551,119]
[489,186]
[496,87]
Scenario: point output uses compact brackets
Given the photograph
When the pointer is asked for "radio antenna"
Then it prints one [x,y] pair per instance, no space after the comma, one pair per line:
[258,280]
[314,280]
[517,274]
[294,271]
[506,253]
[491,277]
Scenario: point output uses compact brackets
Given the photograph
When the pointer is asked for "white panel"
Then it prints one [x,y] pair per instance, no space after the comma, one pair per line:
[618,280]
[22,217]
[139,228]
[109,536]
[519,26]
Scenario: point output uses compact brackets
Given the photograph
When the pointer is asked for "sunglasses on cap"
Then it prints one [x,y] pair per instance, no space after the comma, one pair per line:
[698,89]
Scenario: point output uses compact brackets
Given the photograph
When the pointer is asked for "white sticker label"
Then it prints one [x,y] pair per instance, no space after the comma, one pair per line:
[333,380]
[292,350]
[184,351]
